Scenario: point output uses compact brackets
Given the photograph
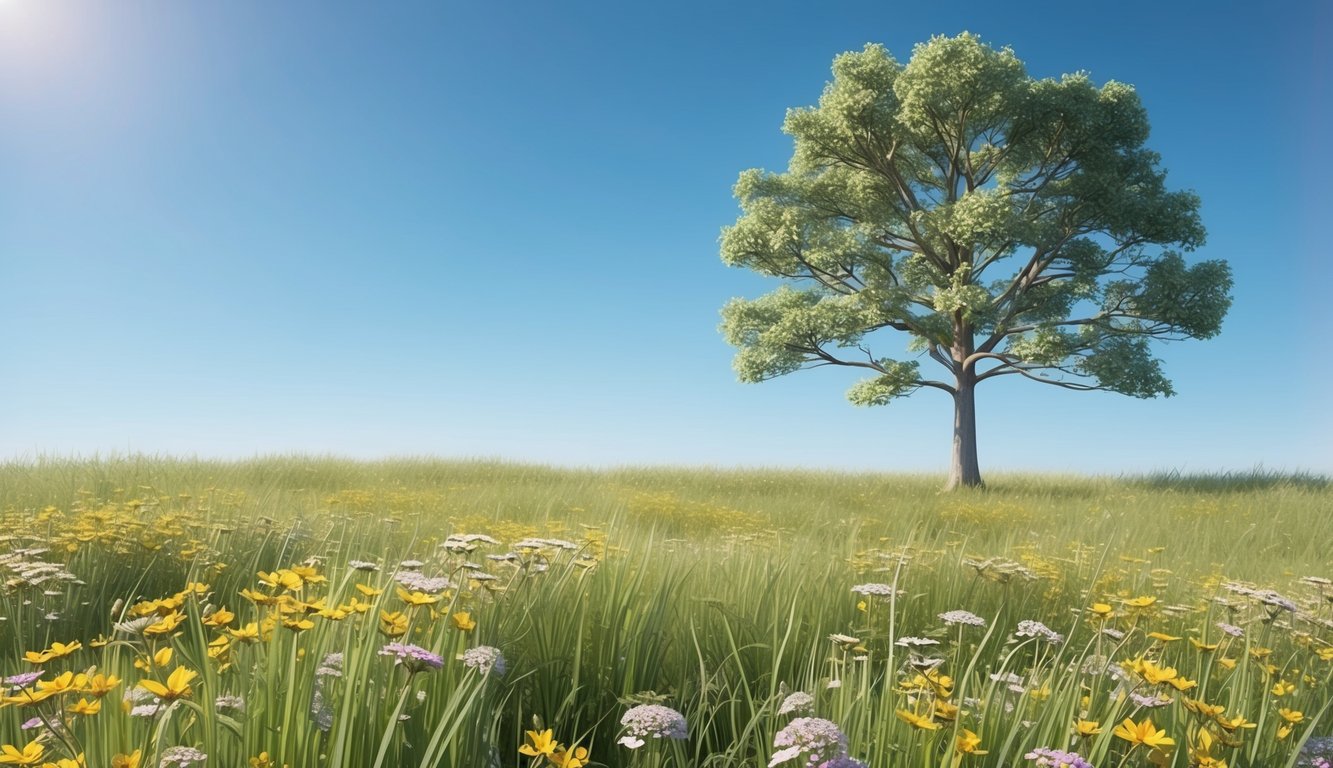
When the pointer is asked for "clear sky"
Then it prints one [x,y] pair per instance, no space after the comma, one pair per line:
[490,230]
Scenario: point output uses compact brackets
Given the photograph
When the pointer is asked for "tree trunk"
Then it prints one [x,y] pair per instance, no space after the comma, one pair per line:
[964,471]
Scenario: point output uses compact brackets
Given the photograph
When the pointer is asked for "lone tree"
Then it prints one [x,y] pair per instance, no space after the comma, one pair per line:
[1008,226]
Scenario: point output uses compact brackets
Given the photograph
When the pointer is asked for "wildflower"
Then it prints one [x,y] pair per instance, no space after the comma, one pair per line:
[814,737]
[1101,610]
[1230,629]
[261,760]
[967,743]
[330,666]
[85,707]
[1046,757]
[1291,715]
[917,721]
[413,657]
[1086,729]
[1142,733]
[842,761]
[882,590]
[463,620]
[652,720]
[56,651]
[910,642]
[1031,628]
[1200,707]
[538,744]
[1163,637]
[419,582]
[181,757]
[31,754]
[962,617]
[127,761]
[1112,633]
[229,701]
[574,757]
[1282,688]
[23,679]
[1149,702]
[1143,601]
[1234,723]
[484,659]
[176,687]
[362,565]
[797,703]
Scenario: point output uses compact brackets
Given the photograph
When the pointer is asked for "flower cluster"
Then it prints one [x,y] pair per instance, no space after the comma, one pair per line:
[484,659]
[413,657]
[815,738]
[654,721]
[1045,757]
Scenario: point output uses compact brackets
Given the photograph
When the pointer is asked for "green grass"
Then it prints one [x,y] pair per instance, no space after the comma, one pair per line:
[712,591]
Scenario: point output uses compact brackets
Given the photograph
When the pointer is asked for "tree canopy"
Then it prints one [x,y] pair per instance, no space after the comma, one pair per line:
[1001,225]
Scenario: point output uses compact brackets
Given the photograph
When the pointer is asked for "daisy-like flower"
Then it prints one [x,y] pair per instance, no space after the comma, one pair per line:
[653,721]
[962,617]
[413,657]
[1143,733]
[816,738]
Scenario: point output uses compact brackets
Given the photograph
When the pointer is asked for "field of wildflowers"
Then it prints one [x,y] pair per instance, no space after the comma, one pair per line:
[311,612]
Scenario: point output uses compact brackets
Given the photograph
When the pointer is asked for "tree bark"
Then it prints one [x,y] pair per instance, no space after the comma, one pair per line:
[964,471]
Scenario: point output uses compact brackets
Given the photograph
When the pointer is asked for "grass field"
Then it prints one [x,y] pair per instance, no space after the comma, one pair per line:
[307,611]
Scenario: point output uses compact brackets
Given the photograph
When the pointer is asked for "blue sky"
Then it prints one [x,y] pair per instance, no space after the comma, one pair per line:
[490,229]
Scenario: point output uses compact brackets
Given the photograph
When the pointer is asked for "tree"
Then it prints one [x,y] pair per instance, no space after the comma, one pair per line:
[999,224]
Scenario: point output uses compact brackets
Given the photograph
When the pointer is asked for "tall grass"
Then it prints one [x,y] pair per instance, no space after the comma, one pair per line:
[713,592]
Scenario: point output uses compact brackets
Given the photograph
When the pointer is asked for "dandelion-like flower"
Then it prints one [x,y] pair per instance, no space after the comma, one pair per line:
[797,703]
[484,659]
[181,757]
[1031,628]
[818,739]
[413,657]
[653,721]
[962,617]
[1045,757]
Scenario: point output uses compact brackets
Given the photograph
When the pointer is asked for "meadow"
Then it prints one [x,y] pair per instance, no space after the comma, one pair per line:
[300,611]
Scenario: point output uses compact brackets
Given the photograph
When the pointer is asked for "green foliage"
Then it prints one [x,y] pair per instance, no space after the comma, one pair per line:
[912,186]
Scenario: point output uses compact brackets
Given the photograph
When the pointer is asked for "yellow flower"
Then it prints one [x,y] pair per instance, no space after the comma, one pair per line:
[1181,684]
[1291,715]
[100,685]
[166,624]
[298,625]
[67,682]
[1155,674]
[416,599]
[1087,728]
[542,743]
[284,578]
[968,743]
[369,591]
[176,687]
[262,760]
[220,618]
[1282,688]
[1163,637]
[1143,733]
[1205,647]
[463,620]
[1101,610]
[56,651]
[917,721]
[85,707]
[574,757]
[1198,706]
[1283,731]
[1228,663]
[1202,751]
[246,634]
[393,624]
[1234,723]
[943,710]
[127,761]
[1143,601]
[159,659]
[31,754]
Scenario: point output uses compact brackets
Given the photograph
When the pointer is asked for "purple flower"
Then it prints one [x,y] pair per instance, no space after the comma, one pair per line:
[414,657]
[1055,758]
[24,679]
[818,739]
[842,761]
[1230,629]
